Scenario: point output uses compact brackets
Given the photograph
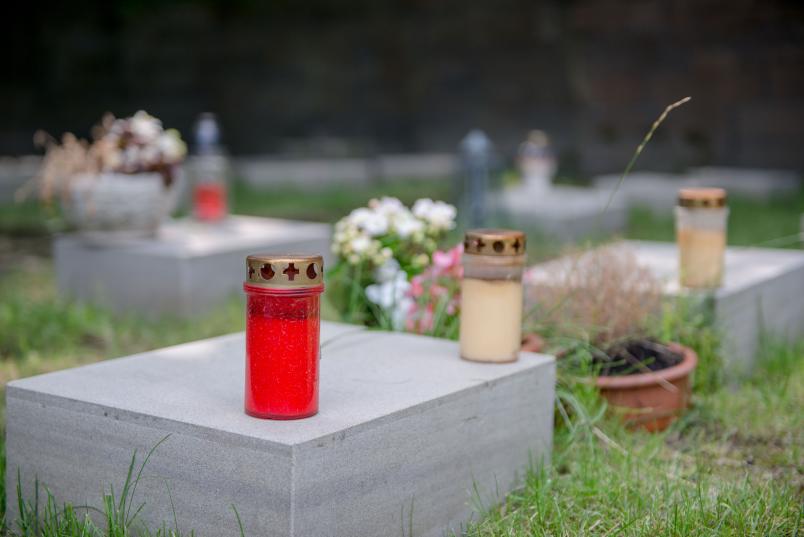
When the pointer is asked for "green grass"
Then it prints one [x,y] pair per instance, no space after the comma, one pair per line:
[732,466]
[773,224]
[28,219]
[118,514]
[329,204]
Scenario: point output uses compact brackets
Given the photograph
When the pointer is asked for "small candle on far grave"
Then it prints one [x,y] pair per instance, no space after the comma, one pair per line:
[209,169]
[701,218]
[209,201]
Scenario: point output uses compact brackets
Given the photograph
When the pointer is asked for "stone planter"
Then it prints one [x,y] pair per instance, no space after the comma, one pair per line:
[111,207]
[652,400]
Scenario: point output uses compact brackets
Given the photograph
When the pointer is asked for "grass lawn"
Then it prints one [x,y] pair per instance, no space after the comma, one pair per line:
[733,466]
[775,224]
[331,203]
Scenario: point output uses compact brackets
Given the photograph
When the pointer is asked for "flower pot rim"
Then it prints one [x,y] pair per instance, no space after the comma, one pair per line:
[637,380]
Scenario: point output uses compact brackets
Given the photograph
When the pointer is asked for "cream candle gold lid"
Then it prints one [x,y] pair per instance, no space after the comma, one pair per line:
[284,271]
[702,197]
[499,242]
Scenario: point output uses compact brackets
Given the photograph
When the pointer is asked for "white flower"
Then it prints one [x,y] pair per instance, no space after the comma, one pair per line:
[371,222]
[149,154]
[387,271]
[388,293]
[360,244]
[145,127]
[406,225]
[392,297]
[400,312]
[439,215]
[171,146]
[387,206]
[422,208]
[130,157]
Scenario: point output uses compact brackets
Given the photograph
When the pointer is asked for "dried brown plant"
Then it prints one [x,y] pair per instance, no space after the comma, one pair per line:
[63,162]
[602,295]
[130,145]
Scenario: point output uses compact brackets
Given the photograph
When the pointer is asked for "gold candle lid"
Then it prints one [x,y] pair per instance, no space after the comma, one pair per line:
[702,197]
[500,242]
[284,271]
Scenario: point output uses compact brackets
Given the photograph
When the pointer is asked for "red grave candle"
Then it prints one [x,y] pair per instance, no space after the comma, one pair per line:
[209,201]
[282,335]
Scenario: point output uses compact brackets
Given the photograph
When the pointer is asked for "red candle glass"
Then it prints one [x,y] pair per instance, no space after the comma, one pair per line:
[282,335]
[209,201]
[209,171]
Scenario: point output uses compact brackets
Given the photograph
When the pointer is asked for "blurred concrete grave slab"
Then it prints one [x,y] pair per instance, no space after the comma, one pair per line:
[563,212]
[15,172]
[756,183]
[653,190]
[410,439]
[761,293]
[659,191]
[189,268]
[311,173]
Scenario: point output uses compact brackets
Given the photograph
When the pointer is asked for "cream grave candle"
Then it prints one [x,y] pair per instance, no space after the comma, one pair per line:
[491,295]
[701,217]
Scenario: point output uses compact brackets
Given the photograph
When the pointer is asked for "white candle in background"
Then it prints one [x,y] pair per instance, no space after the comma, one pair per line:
[701,217]
[491,295]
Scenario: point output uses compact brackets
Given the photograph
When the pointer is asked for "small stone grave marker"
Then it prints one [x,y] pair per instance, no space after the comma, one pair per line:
[187,269]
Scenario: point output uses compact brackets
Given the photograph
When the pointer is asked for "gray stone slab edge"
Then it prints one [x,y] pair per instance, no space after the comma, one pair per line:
[87,447]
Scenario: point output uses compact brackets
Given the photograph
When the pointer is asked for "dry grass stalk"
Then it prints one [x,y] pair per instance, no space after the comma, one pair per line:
[602,294]
[62,162]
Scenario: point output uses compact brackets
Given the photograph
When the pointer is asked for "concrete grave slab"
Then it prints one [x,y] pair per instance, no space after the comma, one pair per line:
[762,291]
[658,191]
[315,173]
[565,213]
[15,174]
[187,269]
[406,432]
[755,183]
[654,190]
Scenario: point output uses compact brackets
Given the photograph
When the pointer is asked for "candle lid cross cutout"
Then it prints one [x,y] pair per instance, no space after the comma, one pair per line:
[284,271]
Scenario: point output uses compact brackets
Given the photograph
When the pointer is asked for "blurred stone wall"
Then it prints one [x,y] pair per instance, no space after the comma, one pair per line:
[357,77]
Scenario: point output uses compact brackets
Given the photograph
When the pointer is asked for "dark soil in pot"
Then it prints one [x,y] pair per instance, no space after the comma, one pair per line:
[637,356]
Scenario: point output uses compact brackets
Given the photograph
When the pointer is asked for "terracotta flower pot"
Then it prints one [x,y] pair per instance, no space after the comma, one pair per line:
[653,400]
[532,343]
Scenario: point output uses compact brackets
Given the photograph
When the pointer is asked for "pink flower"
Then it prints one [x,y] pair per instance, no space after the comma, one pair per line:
[416,286]
[421,321]
[448,263]
[438,286]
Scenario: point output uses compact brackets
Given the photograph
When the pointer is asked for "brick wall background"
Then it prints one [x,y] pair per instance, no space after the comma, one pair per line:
[416,75]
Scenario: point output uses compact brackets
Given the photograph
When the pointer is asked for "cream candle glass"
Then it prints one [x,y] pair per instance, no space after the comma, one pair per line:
[491,295]
[701,218]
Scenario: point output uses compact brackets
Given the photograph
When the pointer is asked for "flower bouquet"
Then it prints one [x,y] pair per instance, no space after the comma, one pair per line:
[123,183]
[380,249]
[435,296]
